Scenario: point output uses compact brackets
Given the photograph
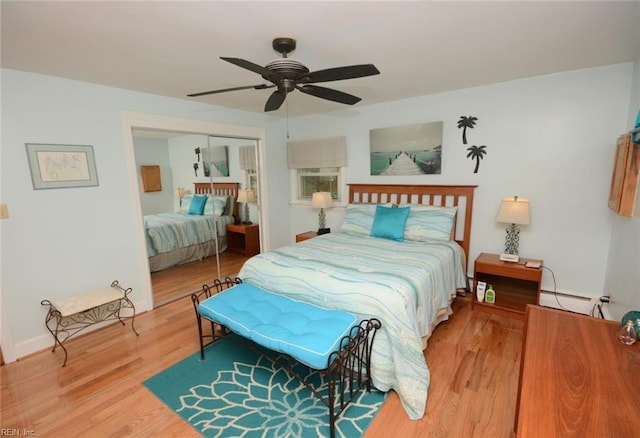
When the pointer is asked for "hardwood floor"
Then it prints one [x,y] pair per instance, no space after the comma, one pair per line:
[178,282]
[474,361]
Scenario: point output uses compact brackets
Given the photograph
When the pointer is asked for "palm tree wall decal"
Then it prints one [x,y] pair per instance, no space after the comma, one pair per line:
[464,123]
[477,152]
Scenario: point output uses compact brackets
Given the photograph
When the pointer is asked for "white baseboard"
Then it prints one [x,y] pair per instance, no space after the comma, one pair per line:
[563,301]
[45,341]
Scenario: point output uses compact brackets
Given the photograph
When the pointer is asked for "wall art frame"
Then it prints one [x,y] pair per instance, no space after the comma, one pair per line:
[151,178]
[215,161]
[406,150]
[58,166]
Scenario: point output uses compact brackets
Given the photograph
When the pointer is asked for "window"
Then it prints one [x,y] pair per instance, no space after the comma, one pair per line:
[317,166]
[251,180]
[248,163]
[319,179]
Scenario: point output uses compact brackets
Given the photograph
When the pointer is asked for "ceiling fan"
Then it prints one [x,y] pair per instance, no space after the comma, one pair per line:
[287,75]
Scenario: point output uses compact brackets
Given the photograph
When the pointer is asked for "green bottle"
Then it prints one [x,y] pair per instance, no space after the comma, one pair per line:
[490,295]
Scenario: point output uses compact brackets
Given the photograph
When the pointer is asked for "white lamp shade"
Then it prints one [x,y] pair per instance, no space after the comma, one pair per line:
[321,200]
[4,211]
[246,196]
[514,210]
[179,192]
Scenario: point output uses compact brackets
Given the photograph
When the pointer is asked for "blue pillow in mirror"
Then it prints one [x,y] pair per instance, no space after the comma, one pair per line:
[197,205]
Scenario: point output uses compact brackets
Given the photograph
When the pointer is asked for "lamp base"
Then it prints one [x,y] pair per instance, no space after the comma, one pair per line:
[512,258]
[512,240]
[322,231]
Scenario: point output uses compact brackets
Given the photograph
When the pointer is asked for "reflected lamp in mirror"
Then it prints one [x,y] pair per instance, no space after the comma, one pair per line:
[179,193]
[322,200]
[246,197]
[514,211]
[4,211]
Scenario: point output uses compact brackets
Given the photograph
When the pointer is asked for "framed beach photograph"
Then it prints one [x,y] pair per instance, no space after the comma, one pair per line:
[56,166]
[406,150]
[216,161]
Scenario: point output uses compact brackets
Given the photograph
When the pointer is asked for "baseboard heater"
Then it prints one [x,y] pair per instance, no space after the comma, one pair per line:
[570,302]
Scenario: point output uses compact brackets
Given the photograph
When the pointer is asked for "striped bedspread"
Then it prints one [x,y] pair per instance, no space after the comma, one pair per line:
[404,284]
[168,231]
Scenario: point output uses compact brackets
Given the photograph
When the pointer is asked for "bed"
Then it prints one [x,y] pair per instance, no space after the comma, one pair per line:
[177,238]
[407,282]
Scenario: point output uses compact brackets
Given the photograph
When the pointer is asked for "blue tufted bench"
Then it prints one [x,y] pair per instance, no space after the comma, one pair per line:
[332,341]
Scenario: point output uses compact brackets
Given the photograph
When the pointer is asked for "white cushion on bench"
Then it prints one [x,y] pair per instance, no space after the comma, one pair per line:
[306,332]
[87,300]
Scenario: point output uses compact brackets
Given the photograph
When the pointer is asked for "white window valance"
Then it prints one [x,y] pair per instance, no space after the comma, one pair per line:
[321,152]
[248,158]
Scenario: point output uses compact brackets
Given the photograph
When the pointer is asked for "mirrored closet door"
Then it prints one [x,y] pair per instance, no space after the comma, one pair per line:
[188,241]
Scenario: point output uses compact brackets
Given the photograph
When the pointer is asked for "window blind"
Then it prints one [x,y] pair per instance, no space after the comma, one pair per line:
[321,152]
[248,157]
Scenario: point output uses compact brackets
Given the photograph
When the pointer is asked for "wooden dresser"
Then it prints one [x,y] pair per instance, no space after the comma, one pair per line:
[576,378]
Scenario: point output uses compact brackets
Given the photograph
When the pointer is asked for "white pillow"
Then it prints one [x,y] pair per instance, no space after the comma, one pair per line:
[358,218]
[216,205]
[426,222]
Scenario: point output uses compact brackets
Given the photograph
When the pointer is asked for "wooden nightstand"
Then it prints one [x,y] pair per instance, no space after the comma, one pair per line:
[306,236]
[514,284]
[243,239]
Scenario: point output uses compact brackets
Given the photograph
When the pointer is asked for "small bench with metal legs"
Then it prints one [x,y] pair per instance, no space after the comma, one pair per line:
[333,342]
[68,316]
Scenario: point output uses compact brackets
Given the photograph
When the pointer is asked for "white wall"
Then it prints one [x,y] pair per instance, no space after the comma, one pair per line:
[181,150]
[61,242]
[150,152]
[623,273]
[549,139]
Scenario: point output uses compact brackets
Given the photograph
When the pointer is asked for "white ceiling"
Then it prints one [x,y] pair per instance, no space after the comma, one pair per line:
[172,48]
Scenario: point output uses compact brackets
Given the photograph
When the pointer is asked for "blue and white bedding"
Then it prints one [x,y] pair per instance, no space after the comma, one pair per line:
[167,232]
[408,285]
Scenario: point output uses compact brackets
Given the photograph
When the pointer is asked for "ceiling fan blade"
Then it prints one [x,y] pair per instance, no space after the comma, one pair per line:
[265,73]
[223,90]
[329,94]
[339,73]
[275,100]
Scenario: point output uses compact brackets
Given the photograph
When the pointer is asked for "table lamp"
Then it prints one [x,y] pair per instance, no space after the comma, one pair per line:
[514,211]
[246,196]
[322,200]
[179,193]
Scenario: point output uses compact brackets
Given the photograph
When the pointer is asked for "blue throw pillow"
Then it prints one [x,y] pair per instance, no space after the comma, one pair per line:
[197,205]
[389,223]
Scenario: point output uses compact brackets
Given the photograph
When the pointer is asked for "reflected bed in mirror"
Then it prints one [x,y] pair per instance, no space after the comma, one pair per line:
[190,234]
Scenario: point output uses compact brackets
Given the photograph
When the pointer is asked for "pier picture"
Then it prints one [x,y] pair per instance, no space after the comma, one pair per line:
[407,150]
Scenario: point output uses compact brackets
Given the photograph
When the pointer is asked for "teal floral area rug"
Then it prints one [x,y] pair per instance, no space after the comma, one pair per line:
[238,391]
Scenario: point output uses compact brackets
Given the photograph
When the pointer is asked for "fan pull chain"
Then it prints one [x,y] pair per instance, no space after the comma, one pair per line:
[286,102]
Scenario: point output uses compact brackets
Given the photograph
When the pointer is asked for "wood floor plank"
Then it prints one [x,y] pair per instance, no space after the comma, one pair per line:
[473,358]
[182,280]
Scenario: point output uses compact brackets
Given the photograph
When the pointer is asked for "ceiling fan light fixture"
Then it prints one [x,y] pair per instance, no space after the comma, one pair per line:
[287,68]
[288,74]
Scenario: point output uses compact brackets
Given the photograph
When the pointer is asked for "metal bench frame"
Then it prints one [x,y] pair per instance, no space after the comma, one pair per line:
[348,369]
[64,327]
